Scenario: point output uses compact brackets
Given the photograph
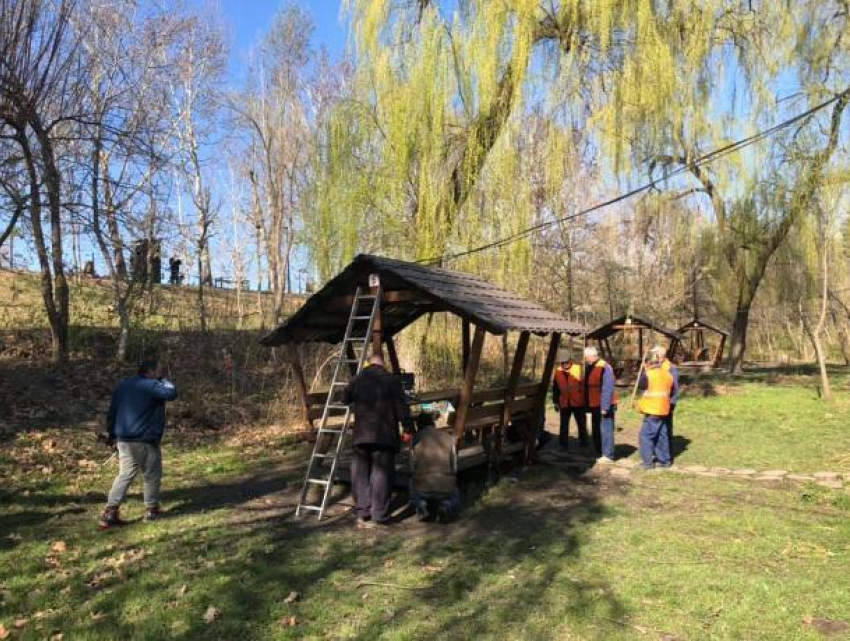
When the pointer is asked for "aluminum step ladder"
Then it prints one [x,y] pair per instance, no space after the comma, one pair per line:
[321,471]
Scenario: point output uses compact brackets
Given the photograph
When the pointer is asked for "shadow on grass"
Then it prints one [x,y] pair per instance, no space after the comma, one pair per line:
[421,580]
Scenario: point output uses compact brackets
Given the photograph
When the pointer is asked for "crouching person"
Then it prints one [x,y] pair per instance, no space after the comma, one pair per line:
[136,422]
[433,488]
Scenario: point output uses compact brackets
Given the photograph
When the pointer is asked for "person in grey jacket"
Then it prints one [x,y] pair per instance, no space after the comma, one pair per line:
[136,423]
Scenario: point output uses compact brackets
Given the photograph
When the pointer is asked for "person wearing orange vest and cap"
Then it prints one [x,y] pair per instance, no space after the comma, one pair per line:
[668,365]
[601,401]
[568,396]
[658,388]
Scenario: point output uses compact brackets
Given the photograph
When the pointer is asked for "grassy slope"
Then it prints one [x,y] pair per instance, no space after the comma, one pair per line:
[549,556]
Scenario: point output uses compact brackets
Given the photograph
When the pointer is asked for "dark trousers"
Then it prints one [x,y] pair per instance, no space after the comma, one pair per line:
[581,424]
[654,447]
[372,472]
[596,429]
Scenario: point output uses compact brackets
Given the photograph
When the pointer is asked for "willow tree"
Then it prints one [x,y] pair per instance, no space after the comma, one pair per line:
[786,59]
[440,85]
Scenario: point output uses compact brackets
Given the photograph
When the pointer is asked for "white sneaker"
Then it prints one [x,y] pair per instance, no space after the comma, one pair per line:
[604,460]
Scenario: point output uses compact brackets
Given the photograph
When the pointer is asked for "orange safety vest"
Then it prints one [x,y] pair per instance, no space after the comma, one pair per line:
[594,385]
[656,397]
[570,385]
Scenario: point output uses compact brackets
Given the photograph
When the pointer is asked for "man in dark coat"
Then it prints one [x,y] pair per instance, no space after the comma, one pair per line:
[136,420]
[379,406]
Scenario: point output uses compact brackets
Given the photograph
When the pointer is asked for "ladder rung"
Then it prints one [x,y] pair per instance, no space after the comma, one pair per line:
[315,508]
[337,406]
[319,481]
[351,360]
[320,455]
[324,430]
[340,383]
[366,297]
[361,318]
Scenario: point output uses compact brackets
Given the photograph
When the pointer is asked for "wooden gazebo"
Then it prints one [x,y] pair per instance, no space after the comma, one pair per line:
[639,334]
[695,350]
[411,290]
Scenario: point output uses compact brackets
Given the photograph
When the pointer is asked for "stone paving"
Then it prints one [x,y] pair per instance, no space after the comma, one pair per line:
[625,467]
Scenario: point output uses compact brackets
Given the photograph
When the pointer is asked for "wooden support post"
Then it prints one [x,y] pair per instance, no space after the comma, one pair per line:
[300,382]
[640,341]
[351,355]
[539,415]
[468,383]
[465,346]
[510,392]
[377,329]
[393,355]
[718,356]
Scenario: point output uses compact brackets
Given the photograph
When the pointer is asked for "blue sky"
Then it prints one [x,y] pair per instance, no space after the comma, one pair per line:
[248,20]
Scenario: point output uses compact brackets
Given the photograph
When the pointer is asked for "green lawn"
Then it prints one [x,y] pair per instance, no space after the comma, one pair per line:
[765,420]
[543,555]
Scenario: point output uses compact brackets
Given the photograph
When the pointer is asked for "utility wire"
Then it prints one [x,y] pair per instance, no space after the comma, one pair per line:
[697,162]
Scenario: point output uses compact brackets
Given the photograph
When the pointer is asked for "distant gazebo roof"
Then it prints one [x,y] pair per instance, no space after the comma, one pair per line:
[697,323]
[632,321]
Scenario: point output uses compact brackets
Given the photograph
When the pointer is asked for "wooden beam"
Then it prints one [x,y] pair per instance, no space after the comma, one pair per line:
[513,379]
[468,385]
[465,346]
[393,354]
[300,382]
[378,327]
[539,415]
[344,303]
[510,391]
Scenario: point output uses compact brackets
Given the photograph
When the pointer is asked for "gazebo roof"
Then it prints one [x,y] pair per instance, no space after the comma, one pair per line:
[410,291]
[696,323]
[617,324]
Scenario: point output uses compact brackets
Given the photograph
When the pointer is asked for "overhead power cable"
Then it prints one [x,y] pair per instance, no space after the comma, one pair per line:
[653,182]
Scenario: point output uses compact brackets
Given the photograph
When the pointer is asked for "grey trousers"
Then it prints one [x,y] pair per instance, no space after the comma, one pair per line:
[133,457]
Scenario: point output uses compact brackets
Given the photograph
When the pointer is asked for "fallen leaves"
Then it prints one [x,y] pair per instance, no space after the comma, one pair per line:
[4,633]
[288,622]
[14,537]
[59,547]
[212,615]
[19,623]
[827,627]
[292,598]
[181,591]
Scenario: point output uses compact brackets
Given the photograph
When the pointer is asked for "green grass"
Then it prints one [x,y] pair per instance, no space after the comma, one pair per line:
[765,419]
[545,556]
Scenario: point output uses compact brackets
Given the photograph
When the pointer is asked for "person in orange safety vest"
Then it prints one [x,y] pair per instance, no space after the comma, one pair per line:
[601,402]
[568,397]
[658,387]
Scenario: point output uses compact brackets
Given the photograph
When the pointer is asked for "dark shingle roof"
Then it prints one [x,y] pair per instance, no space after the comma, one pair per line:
[438,290]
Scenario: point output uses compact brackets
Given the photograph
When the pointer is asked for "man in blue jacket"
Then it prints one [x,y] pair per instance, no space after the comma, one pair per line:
[136,422]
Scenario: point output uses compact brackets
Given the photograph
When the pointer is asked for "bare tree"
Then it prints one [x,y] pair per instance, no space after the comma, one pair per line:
[274,115]
[198,73]
[39,100]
